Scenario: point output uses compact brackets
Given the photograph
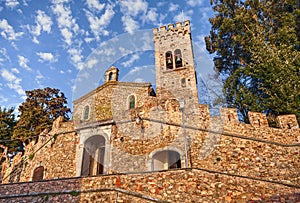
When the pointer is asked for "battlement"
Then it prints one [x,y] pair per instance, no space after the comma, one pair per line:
[179,27]
[259,120]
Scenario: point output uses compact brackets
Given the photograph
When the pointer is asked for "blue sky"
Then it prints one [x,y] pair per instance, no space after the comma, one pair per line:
[57,43]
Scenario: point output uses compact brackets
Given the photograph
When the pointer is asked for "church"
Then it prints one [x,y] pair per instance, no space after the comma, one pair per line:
[130,143]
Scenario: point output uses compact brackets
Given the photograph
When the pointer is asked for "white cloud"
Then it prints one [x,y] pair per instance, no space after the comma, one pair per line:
[3,99]
[13,82]
[139,80]
[76,57]
[43,23]
[15,70]
[66,23]
[133,7]
[38,78]
[23,62]
[173,7]
[132,59]
[130,25]
[161,3]
[98,25]
[91,62]
[3,55]
[11,3]
[187,15]
[8,31]
[151,16]
[135,70]
[195,2]
[46,56]
[95,5]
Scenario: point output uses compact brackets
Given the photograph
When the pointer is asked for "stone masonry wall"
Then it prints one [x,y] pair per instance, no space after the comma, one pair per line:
[191,185]
[56,151]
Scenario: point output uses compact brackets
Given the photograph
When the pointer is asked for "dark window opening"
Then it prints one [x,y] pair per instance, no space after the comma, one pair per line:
[131,102]
[38,173]
[169,60]
[183,83]
[86,112]
[151,92]
[178,58]
[110,76]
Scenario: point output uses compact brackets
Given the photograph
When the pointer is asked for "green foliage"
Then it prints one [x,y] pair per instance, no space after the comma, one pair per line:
[7,123]
[74,193]
[31,156]
[257,54]
[38,112]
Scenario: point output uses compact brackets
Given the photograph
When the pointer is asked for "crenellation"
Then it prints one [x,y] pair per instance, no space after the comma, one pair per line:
[180,27]
[178,24]
[229,115]
[170,26]
[258,120]
[287,121]
[163,28]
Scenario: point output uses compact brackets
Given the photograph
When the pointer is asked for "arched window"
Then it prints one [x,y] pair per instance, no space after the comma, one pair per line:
[110,76]
[166,159]
[131,102]
[86,112]
[38,173]
[169,60]
[93,156]
[178,58]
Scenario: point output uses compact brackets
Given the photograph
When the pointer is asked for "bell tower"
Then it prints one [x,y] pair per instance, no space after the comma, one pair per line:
[111,74]
[174,62]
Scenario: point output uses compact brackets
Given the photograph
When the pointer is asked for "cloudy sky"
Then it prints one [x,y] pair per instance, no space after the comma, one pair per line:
[67,43]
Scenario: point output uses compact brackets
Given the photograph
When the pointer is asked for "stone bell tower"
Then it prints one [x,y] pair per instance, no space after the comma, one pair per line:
[174,61]
[111,74]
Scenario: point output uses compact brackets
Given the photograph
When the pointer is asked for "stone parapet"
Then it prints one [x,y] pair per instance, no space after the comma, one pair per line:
[184,185]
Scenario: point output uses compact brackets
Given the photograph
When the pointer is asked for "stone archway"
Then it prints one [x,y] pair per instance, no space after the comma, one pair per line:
[166,159]
[93,156]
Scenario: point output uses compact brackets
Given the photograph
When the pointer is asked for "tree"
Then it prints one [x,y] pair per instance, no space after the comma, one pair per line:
[257,54]
[38,112]
[7,124]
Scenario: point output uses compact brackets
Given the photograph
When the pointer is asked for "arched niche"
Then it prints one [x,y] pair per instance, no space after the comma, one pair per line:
[93,156]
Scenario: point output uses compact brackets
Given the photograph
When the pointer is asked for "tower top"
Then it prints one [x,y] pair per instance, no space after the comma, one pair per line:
[179,27]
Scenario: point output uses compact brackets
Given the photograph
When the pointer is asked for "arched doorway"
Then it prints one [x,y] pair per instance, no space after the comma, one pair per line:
[38,173]
[93,156]
[166,159]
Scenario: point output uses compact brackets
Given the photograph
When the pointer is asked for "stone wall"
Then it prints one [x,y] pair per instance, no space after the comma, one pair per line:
[56,151]
[191,185]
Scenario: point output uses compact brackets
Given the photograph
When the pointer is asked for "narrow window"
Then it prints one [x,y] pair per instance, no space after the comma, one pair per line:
[132,102]
[178,58]
[110,76]
[169,60]
[86,112]
[183,83]
[38,173]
